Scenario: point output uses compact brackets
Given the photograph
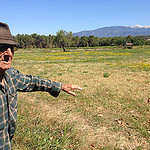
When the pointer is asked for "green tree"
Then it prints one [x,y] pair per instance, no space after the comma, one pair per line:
[116,41]
[33,40]
[93,41]
[83,41]
[69,37]
[63,39]
[75,41]
[19,39]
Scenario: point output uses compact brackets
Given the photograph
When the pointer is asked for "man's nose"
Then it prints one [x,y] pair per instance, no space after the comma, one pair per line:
[8,51]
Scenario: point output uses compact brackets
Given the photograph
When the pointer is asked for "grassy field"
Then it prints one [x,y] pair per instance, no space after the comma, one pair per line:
[112,111]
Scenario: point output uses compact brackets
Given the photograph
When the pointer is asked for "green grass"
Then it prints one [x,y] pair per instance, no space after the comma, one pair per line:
[122,58]
[112,111]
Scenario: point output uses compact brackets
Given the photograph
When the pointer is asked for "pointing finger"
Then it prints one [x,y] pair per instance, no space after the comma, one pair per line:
[76,87]
[80,88]
[72,93]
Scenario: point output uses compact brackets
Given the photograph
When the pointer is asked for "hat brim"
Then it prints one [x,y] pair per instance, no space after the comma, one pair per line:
[9,42]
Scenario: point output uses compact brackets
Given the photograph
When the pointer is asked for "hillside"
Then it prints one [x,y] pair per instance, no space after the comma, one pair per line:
[113,31]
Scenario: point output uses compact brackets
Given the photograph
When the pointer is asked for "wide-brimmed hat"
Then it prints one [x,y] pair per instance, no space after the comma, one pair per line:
[5,35]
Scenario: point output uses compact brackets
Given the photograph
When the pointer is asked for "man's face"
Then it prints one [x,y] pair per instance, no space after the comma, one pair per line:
[6,55]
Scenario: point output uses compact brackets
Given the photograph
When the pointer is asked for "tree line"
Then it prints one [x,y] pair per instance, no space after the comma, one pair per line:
[66,39]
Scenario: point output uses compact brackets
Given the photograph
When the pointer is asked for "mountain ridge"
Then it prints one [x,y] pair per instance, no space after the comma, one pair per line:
[112,31]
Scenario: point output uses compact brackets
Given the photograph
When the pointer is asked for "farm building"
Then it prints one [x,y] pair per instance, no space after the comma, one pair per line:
[128,45]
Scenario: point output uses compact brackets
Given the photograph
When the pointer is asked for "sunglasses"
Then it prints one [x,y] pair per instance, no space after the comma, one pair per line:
[4,48]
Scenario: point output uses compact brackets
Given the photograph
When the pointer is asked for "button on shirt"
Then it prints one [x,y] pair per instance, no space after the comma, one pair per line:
[15,81]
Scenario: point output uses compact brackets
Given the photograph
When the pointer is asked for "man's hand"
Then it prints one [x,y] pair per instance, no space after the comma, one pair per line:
[68,87]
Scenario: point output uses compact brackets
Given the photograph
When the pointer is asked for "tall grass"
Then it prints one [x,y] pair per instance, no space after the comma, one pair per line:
[112,111]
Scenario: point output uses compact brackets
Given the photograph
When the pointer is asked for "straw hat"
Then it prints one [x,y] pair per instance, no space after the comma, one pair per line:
[5,35]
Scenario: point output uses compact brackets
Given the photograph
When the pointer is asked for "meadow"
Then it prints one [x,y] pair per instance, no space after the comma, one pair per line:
[111,112]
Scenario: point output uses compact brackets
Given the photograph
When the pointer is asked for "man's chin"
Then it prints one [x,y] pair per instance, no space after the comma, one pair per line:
[3,69]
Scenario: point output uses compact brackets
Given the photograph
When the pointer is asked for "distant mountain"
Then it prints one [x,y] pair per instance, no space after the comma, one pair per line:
[113,31]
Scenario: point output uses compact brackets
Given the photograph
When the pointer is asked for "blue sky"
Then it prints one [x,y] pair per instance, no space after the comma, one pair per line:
[49,16]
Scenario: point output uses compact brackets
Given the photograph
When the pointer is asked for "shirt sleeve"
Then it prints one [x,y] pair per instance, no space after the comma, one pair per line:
[29,83]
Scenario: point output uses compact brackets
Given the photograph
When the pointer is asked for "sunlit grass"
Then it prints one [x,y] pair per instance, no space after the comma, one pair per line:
[112,111]
[125,58]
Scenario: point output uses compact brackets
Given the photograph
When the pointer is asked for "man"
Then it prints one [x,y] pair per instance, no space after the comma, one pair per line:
[12,81]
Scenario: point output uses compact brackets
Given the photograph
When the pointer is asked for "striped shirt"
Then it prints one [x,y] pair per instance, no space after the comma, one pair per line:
[15,81]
